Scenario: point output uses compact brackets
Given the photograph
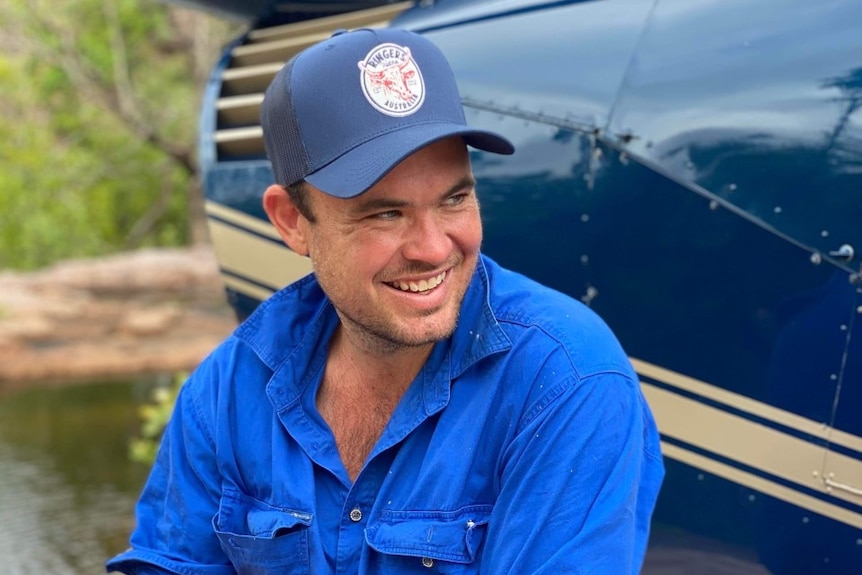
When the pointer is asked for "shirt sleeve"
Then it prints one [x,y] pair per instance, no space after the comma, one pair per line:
[579,483]
[174,532]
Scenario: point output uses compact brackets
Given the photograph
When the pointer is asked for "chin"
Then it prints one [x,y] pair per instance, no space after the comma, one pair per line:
[418,335]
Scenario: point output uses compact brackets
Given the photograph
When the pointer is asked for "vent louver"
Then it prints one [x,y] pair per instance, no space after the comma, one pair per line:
[254,64]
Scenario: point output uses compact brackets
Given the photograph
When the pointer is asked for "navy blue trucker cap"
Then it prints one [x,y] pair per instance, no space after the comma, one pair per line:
[342,113]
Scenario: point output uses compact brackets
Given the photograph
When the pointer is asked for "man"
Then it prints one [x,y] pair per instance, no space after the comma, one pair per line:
[410,407]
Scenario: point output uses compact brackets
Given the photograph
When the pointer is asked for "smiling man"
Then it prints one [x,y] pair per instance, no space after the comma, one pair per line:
[411,406]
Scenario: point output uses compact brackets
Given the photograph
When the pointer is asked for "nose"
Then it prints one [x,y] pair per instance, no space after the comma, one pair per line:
[428,240]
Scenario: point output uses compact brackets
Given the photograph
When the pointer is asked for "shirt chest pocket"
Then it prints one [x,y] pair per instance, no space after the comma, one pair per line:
[261,539]
[428,541]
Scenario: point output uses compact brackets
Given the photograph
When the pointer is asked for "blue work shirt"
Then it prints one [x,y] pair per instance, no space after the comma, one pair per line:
[523,446]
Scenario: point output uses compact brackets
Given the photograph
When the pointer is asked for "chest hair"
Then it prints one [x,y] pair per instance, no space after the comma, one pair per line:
[357,419]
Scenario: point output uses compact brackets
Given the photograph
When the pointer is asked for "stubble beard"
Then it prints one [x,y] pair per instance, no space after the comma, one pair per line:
[382,340]
[387,337]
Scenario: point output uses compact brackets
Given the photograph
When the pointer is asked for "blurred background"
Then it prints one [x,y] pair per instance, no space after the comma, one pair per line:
[109,292]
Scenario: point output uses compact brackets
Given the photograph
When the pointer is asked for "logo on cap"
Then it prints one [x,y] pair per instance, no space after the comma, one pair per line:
[391,80]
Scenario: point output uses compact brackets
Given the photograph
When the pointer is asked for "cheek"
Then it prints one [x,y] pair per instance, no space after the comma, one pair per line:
[469,235]
[362,255]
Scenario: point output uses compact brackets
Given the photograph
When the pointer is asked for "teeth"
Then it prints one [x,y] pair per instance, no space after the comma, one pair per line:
[422,285]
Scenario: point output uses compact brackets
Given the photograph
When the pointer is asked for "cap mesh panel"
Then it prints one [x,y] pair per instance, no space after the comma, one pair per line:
[282,137]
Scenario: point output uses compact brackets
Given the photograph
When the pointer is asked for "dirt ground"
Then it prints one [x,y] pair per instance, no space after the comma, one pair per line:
[151,311]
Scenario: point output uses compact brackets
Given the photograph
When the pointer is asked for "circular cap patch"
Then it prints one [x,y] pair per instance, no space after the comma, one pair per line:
[391,80]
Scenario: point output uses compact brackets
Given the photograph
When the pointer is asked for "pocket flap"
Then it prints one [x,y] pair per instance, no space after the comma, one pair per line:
[445,535]
[271,522]
[240,514]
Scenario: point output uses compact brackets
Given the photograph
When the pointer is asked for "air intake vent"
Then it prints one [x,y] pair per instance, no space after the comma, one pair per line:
[254,64]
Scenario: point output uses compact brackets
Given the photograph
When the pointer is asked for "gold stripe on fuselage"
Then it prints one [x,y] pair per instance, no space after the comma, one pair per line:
[259,260]
[748,405]
[242,220]
[752,444]
[763,485]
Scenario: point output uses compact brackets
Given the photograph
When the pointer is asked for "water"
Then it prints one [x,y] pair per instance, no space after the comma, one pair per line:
[67,486]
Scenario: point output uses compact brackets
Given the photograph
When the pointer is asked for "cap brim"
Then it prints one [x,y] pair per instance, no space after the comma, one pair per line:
[363,166]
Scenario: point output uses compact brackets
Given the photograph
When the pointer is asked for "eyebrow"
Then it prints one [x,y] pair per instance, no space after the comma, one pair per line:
[390,203]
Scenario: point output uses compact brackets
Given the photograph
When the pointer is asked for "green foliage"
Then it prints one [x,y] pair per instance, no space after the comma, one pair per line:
[98,115]
[154,417]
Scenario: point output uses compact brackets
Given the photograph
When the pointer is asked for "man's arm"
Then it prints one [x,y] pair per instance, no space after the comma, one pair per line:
[579,483]
[174,531]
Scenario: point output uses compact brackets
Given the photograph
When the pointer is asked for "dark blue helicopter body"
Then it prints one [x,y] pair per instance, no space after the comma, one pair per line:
[690,169]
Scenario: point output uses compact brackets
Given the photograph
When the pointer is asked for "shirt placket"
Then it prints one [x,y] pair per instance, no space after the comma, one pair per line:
[356,513]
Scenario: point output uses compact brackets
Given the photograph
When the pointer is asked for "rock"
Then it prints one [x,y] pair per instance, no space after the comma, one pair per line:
[25,329]
[142,312]
[149,322]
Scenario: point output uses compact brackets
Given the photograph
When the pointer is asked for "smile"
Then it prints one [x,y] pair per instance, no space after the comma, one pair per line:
[420,286]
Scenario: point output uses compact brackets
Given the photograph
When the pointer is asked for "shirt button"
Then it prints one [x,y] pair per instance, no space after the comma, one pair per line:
[355,515]
[427,562]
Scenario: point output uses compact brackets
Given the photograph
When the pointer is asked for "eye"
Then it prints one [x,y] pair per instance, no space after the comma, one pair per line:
[456,199]
[387,215]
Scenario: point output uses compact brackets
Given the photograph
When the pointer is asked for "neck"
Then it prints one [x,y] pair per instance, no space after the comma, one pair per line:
[382,367]
[357,375]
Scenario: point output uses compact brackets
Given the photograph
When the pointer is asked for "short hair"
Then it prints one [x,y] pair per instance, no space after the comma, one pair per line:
[299,195]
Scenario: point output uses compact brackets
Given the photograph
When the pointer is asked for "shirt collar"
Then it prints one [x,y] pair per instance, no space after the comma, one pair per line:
[478,333]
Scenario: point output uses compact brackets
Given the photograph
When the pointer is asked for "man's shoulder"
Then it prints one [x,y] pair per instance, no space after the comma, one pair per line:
[516,298]
[282,321]
[262,343]
[541,316]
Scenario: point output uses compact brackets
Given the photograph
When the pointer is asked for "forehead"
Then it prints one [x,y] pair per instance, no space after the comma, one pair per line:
[449,154]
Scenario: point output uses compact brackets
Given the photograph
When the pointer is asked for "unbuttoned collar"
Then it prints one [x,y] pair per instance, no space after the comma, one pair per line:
[478,334]
[290,333]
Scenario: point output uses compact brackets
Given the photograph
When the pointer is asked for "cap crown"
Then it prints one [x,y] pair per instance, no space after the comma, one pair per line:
[352,88]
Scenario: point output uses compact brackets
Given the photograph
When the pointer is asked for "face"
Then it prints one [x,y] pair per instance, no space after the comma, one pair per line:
[396,260]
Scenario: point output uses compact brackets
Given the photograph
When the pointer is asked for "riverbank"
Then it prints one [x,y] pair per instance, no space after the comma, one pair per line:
[149,311]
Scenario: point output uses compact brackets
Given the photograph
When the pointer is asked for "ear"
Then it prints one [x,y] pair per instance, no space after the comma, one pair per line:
[286,219]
